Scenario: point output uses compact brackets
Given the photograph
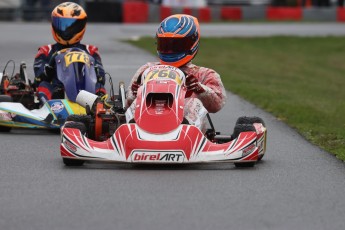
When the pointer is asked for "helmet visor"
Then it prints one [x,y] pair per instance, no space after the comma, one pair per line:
[174,45]
[67,28]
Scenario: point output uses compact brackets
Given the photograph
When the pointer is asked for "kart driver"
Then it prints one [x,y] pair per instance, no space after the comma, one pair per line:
[68,28]
[177,44]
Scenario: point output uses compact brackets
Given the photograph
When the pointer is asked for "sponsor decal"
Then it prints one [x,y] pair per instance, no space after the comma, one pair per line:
[158,156]
[71,147]
[248,150]
[57,107]
[5,116]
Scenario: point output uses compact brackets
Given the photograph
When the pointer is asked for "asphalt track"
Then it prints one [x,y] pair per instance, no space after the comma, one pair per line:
[296,186]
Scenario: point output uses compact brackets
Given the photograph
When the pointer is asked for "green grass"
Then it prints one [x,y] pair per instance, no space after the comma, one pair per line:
[300,80]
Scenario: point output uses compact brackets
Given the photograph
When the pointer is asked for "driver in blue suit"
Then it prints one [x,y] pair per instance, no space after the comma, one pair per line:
[68,28]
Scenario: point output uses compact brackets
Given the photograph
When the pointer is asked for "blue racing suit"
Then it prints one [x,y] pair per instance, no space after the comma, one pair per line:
[47,83]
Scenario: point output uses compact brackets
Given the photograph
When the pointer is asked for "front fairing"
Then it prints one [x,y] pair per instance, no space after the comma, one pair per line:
[75,70]
[160,100]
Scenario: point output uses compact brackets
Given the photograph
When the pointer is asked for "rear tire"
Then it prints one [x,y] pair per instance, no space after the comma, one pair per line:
[82,128]
[5,98]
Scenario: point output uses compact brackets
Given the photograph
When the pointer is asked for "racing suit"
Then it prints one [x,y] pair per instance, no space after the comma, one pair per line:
[46,83]
[197,105]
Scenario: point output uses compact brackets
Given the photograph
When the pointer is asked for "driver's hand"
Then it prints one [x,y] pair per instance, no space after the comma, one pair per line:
[134,88]
[101,79]
[193,84]
[49,72]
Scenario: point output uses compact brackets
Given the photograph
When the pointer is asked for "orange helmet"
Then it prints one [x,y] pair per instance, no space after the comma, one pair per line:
[178,39]
[68,23]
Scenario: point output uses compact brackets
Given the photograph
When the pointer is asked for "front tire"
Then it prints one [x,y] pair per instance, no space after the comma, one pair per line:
[72,162]
[82,128]
[76,125]
[239,128]
[5,129]
[251,120]
[245,165]
[85,119]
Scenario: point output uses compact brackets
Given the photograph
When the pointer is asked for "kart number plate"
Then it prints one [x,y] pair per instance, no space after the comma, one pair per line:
[163,72]
[74,56]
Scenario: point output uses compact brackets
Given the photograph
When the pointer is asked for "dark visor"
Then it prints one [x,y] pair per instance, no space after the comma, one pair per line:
[66,28]
[174,45]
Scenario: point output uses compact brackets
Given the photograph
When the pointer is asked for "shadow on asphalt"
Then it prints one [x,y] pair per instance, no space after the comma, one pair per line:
[35,132]
[160,167]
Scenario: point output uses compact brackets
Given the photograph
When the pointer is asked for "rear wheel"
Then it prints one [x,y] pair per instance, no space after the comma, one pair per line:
[82,128]
[5,98]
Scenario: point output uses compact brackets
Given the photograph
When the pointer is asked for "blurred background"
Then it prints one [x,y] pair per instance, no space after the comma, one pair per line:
[139,11]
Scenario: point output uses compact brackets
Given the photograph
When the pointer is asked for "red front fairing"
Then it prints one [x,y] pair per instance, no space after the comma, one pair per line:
[160,106]
[186,144]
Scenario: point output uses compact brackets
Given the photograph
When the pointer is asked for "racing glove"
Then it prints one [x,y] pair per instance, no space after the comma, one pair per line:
[100,78]
[49,73]
[193,85]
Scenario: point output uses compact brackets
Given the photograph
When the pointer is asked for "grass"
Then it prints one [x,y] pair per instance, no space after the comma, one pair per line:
[300,80]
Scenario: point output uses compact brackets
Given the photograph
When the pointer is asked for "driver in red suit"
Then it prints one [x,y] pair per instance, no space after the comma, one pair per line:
[177,44]
[68,28]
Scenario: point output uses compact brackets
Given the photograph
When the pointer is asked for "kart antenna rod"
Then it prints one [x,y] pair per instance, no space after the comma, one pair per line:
[123,94]
[23,66]
[210,121]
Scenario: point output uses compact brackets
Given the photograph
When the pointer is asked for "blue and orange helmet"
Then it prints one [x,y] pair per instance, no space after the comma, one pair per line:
[68,23]
[178,39]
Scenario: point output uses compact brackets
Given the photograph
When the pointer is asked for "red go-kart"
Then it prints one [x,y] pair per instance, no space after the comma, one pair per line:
[158,133]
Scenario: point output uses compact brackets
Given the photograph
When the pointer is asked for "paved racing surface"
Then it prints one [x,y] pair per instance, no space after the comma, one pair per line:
[296,186]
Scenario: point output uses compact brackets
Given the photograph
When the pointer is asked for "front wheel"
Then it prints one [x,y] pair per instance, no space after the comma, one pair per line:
[5,129]
[82,128]
[72,162]
[262,141]
[245,165]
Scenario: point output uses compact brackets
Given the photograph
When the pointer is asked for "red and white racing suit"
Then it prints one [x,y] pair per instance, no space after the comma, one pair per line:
[197,105]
